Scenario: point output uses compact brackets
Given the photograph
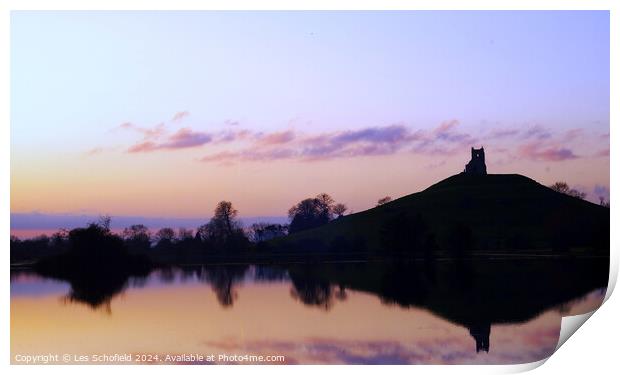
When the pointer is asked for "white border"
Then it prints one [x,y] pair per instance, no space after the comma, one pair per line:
[592,350]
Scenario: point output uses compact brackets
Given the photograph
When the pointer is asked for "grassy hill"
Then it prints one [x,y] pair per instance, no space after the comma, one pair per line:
[500,212]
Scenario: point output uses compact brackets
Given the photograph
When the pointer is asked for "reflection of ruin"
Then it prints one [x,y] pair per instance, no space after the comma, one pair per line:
[481,333]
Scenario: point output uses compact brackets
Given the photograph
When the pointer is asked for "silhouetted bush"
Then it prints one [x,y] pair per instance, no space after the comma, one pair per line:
[95,243]
[311,213]
[260,232]
[35,248]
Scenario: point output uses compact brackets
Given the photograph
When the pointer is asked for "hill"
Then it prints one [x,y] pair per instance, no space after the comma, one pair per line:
[466,213]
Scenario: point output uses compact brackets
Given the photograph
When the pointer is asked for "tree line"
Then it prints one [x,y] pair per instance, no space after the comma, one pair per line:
[223,232]
[564,188]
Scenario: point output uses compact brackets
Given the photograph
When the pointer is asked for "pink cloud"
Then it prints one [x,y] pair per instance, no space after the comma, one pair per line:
[603,153]
[572,134]
[278,138]
[146,146]
[180,115]
[536,132]
[231,136]
[148,133]
[94,151]
[186,137]
[502,133]
[446,139]
[537,151]
[183,138]
[371,141]
[249,155]
[445,128]
[443,137]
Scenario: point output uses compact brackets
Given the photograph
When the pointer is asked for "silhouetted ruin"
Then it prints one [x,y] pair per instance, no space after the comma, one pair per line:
[476,165]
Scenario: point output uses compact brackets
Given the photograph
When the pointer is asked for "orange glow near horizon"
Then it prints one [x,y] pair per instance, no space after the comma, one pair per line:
[170,185]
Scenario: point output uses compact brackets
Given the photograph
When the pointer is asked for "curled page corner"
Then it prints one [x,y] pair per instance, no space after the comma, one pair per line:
[569,325]
[524,367]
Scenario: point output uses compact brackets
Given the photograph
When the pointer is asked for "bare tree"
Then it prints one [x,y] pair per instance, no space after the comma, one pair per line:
[265,231]
[137,237]
[204,232]
[577,194]
[226,215]
[224,231]
[384,200]
[136,232]
[104,223]
[325,199]
[339,209]
[185,234]
[326,205]
[164,235]
[603,201]
[562,187]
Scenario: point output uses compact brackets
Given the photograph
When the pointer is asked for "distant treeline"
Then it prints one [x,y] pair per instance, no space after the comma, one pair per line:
[404,233]
[223,234]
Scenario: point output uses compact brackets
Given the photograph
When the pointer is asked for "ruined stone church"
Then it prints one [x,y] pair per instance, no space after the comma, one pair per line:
[476,165]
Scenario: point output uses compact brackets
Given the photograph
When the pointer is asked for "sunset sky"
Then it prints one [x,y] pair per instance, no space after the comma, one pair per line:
[164,114]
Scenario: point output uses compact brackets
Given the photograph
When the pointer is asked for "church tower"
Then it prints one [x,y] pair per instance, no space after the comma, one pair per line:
[476,165]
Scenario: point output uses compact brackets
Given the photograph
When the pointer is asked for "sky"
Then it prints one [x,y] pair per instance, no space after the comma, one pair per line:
[164,114]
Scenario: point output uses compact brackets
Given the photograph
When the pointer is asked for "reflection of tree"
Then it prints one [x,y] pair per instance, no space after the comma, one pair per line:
[96,294]
[97,289]
[223,279]
[262,273]
[166,275]
[341,293]
[96,265]
[312,290]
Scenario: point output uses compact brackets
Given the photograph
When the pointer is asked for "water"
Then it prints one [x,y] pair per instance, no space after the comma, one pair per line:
[368,313]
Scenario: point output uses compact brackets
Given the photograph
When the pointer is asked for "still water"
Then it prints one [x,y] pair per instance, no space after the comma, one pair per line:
[337,314]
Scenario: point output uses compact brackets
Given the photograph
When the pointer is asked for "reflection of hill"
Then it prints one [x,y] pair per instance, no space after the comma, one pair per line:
[465,293]
[502,211]
[474,294]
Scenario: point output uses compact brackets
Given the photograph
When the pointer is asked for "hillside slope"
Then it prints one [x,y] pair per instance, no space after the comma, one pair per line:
[496,212]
